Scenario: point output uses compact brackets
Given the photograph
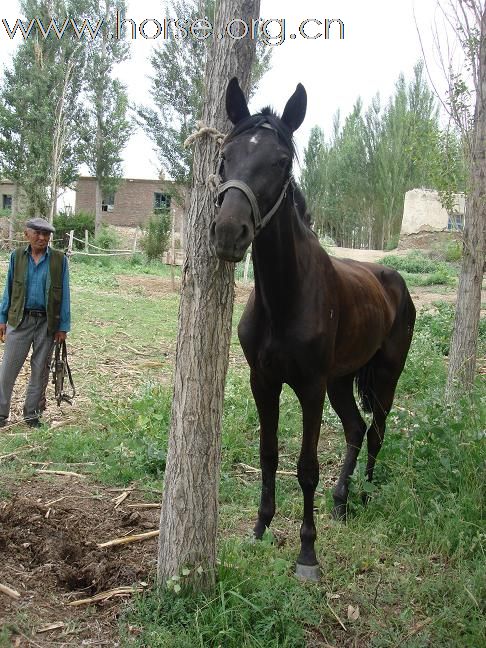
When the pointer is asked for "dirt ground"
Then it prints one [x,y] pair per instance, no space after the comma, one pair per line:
[50,528]
[150,286]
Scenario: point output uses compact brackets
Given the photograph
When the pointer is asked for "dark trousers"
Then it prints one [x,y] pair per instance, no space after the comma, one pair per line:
[31,332]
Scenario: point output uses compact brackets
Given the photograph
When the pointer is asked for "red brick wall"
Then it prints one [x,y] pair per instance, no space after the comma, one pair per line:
[134,200]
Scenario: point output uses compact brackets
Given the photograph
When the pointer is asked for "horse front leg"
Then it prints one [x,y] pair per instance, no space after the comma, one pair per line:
[266,397]
[312,402]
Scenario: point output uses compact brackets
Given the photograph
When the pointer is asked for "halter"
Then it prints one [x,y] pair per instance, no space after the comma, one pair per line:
[258,220]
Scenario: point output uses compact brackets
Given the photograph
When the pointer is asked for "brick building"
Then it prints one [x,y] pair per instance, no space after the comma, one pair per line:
[133,202]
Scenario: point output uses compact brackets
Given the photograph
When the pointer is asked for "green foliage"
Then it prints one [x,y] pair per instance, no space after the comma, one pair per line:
[177,86]
[420,270]
[356,181]
[245,611]
[106,129]
[413,262]
[107,238]
[65,222]
[52,70]
[453,251]
[155,240]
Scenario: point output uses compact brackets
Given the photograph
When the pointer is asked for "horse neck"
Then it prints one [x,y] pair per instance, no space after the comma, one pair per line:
[277,255]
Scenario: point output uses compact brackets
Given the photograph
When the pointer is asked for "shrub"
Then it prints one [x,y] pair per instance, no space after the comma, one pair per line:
[80,222]
[453,251]
[107,238]
[392,243]
[414,262]
[155,240]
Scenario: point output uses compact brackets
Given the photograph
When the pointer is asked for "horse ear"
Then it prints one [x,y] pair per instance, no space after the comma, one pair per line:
[236,105]
[294,112]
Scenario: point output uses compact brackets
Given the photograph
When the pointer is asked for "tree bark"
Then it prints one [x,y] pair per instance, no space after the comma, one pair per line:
[98,208]
[462,357]
[189,515]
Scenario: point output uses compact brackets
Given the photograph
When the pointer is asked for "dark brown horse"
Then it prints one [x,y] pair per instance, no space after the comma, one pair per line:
[314,322]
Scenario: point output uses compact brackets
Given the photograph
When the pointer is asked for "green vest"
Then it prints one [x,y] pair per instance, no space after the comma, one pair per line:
[53,288]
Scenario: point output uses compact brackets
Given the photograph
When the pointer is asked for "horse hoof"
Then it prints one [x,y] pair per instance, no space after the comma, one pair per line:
[308,572]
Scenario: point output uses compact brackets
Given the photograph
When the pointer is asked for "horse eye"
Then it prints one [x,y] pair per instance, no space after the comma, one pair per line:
[282,163]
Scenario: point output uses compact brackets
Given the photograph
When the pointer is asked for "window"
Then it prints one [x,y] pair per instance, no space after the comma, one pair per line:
[108,203]
[456,222]
[161,202]
[7,202]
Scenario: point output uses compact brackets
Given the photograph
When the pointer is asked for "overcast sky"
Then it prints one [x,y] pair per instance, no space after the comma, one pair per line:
[380,41]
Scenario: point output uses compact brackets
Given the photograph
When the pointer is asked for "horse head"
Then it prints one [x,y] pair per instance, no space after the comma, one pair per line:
[255,169]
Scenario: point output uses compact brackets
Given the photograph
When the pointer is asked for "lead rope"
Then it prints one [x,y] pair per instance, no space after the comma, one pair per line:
[213,179]
[60,369]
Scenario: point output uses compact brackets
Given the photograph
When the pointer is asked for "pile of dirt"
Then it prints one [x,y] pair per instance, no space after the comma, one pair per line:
[50,529]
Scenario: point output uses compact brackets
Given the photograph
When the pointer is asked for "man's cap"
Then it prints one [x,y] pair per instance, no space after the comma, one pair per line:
[39,224]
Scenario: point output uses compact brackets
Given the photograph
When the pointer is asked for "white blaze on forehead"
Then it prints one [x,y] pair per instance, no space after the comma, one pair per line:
[255,139]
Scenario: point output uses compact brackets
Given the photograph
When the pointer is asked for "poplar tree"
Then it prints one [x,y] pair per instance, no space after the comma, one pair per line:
[177,88]
[106,129]
[40,110]
[189,513]
[467,105]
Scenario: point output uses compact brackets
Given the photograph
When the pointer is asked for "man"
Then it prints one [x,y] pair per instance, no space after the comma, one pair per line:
[35,312]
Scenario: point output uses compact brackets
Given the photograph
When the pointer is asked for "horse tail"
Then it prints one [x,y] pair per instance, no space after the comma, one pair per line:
[402,329]
[364,381]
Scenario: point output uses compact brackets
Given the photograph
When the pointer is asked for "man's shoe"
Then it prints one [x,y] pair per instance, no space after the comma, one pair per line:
[33,423]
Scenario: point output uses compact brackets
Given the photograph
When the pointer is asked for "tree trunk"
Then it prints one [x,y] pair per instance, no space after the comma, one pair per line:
[13,214]
[462,357]
[189,516]
[98,210]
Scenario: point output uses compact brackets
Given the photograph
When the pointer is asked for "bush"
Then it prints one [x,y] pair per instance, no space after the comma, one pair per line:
[155,240]
[392,243]
[108,238]
[414,262]
[453,251]
[80,222]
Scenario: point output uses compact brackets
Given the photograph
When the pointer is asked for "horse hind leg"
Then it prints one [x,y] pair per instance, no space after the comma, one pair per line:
[382,378]
[342,400]
[267,401]
[385,380]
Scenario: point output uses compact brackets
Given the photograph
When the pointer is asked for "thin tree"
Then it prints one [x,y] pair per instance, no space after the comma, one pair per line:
[177,88]
[468,17]
[40,106]
[189,515]
[107,128]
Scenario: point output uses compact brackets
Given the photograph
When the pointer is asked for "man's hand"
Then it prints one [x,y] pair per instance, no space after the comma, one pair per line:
[59,336]
[3,332]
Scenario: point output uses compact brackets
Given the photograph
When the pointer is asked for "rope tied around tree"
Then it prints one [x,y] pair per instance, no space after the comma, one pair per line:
[213,180]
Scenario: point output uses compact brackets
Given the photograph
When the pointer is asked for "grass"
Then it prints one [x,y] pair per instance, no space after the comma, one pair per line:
[412,561]
[419,269]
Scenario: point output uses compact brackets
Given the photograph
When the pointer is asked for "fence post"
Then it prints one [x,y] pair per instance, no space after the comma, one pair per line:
[70,244]
[135,241]
[86,240]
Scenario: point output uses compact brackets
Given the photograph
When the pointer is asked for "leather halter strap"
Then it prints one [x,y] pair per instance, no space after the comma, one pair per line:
[258,220]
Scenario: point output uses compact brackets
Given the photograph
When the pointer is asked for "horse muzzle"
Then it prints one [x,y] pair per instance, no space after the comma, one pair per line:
[232,231]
